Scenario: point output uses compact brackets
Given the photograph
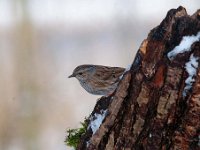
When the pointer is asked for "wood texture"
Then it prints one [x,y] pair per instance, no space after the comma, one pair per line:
[148,109]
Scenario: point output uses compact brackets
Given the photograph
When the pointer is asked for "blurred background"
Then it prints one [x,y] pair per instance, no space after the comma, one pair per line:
[42,41]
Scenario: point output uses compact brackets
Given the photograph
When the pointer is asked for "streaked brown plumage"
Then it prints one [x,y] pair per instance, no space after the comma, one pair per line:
[97,79]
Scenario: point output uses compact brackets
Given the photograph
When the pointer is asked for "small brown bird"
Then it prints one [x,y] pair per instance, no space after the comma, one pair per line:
[98,80]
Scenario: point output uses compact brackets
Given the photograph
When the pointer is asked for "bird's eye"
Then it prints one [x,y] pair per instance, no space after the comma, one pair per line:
[80,73]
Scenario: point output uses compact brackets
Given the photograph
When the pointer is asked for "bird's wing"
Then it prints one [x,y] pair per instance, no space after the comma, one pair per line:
[109,74]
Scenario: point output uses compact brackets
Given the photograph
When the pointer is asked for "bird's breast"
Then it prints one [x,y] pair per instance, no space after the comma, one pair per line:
[86,86]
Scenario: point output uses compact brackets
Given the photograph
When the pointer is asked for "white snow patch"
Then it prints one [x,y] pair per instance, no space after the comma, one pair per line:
[127,69]
[150,135]
[184,45]
[87,143]
[191,68]
[98,118]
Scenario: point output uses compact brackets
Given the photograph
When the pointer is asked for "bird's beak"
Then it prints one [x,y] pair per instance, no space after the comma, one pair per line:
[71,76]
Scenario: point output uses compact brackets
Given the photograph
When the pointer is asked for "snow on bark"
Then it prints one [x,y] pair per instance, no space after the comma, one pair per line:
[191,68]
[184,45]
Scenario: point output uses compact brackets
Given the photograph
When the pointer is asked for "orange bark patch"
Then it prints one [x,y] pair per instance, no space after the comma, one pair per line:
[143,46]
[159,77]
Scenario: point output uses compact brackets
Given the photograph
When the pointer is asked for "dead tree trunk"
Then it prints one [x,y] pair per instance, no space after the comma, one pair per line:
[157,102]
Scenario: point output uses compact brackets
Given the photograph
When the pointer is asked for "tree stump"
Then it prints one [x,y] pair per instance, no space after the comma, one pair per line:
[157,102]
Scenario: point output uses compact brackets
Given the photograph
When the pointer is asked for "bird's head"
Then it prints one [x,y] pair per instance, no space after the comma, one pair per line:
[83,72]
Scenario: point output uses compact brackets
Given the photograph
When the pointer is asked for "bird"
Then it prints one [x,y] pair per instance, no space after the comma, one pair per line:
[98,79]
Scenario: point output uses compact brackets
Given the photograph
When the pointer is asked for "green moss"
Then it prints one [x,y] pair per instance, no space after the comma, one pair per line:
[74,135]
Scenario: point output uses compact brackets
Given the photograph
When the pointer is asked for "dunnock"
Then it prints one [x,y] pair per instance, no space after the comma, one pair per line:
[98,80]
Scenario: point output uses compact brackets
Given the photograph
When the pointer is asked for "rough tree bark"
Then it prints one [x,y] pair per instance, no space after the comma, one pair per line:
[157,102]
